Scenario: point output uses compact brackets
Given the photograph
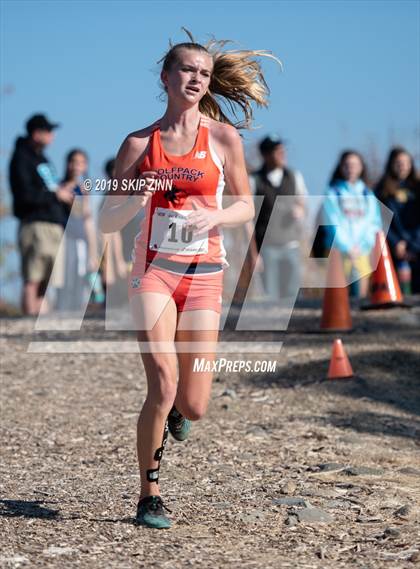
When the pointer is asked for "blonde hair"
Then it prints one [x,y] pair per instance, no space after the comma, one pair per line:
[237,80]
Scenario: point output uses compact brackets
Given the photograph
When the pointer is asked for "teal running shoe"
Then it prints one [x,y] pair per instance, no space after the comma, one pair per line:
[179,426]
[150,513]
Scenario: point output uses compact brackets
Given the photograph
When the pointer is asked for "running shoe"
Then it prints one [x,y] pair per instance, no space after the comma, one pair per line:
[150,513]
[179,426]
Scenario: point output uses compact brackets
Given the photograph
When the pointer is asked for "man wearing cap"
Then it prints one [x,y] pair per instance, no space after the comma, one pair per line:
[282,236]
[38,201]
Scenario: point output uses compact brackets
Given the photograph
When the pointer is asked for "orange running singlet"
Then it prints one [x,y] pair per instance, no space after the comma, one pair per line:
[194,177]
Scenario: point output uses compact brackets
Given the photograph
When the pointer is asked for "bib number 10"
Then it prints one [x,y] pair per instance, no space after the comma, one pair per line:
[186,234]
[170,234]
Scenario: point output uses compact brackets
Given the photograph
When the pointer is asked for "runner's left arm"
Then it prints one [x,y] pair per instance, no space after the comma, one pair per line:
[236,175]
[203,219]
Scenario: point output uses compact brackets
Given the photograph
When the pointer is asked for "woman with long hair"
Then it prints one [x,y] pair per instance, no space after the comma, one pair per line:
[352,219]
[399,190]
[175,287]
[113,264]
[80,251]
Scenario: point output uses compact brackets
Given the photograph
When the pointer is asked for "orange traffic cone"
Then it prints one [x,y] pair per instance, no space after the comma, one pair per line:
[336,305]
[340,366]
[385,291]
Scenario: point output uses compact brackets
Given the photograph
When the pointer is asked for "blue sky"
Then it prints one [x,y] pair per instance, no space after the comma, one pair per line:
[351,72]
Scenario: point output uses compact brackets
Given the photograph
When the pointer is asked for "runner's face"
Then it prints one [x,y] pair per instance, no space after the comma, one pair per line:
[189,77]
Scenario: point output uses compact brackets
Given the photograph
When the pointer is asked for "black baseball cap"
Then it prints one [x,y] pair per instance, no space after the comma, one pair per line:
[39,122]
[269,143]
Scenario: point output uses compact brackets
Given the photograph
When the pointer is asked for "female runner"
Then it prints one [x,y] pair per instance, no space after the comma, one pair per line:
[175,286]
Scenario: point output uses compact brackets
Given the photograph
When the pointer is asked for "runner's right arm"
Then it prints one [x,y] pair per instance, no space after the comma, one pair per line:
[121,206]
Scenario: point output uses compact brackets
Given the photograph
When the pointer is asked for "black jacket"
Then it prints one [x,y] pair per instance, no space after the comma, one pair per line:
[405,224]
[32,183]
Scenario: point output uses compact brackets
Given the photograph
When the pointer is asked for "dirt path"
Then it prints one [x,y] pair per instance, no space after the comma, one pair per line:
[285,470]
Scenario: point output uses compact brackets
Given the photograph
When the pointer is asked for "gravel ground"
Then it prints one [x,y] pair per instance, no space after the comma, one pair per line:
[285,470]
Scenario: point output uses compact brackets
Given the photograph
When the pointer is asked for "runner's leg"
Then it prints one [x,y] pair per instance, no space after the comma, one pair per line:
[158,311]
[194,388]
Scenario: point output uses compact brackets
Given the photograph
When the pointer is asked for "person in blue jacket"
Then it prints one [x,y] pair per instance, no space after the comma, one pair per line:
[399,190]
[352,218]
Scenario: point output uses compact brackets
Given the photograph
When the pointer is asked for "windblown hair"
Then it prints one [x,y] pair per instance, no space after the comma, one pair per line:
[338,173]
[389,183]
[236,81]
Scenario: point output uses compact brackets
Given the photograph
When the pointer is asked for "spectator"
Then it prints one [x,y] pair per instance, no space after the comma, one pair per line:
[81,253]
[114,261]
[281,252]
[352,218]
[122,242]
[399,190]
[38,201]
[128,233]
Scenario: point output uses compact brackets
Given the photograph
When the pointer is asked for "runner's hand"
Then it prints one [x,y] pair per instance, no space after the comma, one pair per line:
[202,219]
[141,196]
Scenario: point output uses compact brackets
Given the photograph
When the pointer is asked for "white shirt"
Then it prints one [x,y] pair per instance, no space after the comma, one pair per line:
[275,177]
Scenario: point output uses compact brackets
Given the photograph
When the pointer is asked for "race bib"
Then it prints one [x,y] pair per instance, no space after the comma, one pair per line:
[170,235]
